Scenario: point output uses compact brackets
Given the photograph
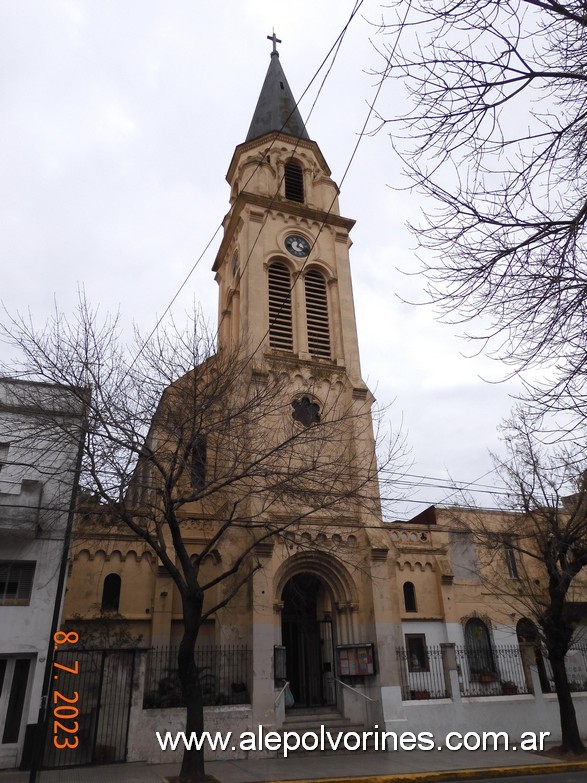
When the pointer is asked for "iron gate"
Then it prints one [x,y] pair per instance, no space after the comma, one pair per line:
[103,683]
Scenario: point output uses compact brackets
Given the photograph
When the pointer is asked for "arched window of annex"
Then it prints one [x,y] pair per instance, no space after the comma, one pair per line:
[294,181]
[317,322]
[410,597]
[478,649]
[111,593]
[280,307]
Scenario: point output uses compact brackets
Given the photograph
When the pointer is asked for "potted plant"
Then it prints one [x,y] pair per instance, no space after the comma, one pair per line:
[422,694]
[509,688]
[486,677]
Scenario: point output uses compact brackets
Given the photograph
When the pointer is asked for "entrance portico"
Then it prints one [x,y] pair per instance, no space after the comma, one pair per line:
[307,635]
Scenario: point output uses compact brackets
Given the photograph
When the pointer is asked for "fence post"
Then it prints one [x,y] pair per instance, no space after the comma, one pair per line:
[528,654]
[449,670]
[135,727]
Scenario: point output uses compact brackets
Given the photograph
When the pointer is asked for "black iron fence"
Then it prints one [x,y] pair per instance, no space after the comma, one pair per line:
[495,670]
[223,672]
[421,673]
[576,666]
[89,707]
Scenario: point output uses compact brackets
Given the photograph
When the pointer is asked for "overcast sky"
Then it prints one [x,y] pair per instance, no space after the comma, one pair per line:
[119,119]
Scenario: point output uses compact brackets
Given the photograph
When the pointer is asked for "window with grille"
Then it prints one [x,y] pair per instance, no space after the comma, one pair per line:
[294,181]
[478,648]
[417,652]
[16,582]
[317,314]
[280,320]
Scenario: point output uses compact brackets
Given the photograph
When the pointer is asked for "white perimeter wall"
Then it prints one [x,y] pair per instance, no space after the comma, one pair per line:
[511,714]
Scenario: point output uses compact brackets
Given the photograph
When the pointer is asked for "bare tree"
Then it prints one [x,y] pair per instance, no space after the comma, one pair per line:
[495,134]
[542,537]
[176,431]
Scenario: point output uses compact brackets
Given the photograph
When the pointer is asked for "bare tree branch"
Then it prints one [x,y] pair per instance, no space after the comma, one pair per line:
[495,135]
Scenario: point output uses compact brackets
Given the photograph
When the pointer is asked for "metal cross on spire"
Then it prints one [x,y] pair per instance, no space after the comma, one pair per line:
[275,40]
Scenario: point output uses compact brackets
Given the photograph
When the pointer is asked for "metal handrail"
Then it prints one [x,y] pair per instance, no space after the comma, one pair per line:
[354,690]
[281,692]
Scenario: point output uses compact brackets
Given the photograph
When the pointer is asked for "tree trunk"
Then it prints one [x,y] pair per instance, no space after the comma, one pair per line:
[571,739]
[192,765]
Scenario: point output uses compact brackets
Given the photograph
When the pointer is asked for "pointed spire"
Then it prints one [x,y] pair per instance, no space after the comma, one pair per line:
[276,108]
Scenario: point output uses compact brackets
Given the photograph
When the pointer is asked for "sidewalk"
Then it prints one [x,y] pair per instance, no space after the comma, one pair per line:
[414,765]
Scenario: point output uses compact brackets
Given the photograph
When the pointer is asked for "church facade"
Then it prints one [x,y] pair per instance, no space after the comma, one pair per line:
[322,594]
[341,611]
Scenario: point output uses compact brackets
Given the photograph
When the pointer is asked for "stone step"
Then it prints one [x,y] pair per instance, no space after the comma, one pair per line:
[315,719]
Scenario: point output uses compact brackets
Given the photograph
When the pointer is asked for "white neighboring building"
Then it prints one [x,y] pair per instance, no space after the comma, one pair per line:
[40,428]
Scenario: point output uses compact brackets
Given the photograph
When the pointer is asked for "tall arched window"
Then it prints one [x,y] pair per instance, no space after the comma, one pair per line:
[410,597]
[294,181]
[111,593]
[317,314]
[478,648]
[280,321]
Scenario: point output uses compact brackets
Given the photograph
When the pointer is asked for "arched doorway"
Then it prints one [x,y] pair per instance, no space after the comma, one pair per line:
[307,635]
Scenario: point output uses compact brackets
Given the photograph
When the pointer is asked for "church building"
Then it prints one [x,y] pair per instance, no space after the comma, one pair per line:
[320,607]
[340,614]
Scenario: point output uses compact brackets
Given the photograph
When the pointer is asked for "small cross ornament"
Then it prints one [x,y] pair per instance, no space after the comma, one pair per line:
[275,40]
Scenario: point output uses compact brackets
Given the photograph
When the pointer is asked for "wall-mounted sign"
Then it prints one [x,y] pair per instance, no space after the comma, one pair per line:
[355,660]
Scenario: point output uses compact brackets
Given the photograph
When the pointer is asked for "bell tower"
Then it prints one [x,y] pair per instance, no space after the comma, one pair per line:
[286,301]
[283,265]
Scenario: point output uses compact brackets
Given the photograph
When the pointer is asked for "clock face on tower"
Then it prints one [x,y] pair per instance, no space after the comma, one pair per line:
[297,245]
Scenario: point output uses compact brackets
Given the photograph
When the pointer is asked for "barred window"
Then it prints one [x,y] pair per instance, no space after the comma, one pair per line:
[478,648]
[16,582]
[417,652]
[317,314]
[294,181]
[280,318]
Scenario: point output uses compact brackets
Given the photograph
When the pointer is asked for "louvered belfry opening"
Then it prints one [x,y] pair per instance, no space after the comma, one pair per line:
[317,314]
[294,181]
[280,321]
